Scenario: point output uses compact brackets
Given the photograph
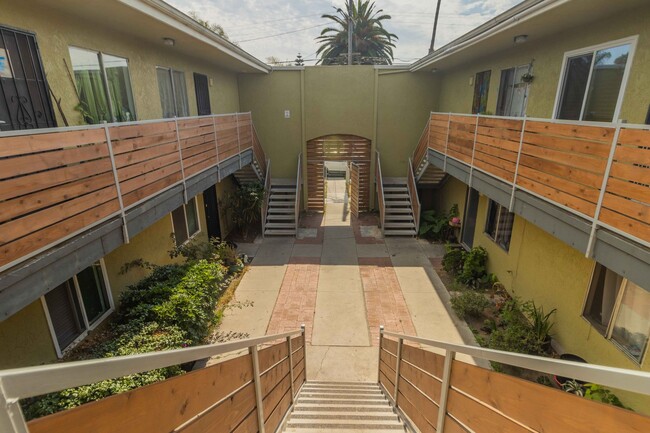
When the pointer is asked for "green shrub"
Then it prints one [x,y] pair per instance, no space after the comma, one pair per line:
[435,226]
[469,304]
[541,323]
[453,260]
[245,205]
[474,272]
[518,338]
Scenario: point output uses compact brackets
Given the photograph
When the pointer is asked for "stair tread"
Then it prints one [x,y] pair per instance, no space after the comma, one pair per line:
[398,210]
[279,232]
[391,225]
[399,217]
[281,210]
[280,225]
[399,232]
[281,217]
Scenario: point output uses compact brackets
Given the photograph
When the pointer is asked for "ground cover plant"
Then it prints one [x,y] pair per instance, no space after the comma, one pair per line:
[171,308]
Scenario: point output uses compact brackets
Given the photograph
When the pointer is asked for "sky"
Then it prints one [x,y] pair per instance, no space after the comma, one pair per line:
[284,28]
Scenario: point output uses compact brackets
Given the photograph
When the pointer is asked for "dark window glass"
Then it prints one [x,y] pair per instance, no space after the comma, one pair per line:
[498,224]
[575,86]
[180,227]
[93,292]
[63,307]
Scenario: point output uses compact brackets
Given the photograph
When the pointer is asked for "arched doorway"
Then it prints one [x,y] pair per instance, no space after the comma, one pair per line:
[338,148]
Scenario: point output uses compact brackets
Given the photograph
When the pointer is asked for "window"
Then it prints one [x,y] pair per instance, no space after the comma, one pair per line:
[104,86]
[593,82]
[498,225]
[513,92]
[77,306]
[185,221]
[620,310]
[173,92]
[481,87]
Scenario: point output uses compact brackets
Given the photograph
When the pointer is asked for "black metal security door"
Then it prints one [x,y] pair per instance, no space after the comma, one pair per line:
[24,95]
[212,212]
[202,94]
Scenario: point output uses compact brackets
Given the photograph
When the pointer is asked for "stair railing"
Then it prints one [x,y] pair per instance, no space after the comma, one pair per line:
[413,195]
[379,182]
[258,150]
[434,391]
[419,155]
[298,192]
[239,387]
[267,194]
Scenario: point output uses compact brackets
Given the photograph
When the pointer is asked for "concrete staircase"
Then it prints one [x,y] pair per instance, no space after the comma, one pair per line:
[398,216]
[247,175]
[430,176]
[281,214]
[342,407]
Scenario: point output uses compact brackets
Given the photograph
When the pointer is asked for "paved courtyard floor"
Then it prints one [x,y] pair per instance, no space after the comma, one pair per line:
[342,280]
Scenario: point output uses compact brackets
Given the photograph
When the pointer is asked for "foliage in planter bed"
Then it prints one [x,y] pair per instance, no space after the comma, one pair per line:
[173,307]
[469,304]
[469,267]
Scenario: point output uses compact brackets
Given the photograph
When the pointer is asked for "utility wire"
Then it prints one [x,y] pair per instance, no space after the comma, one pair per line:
[284,33]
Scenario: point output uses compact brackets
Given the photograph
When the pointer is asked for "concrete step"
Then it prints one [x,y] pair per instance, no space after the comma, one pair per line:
[396,196]
[279,232]
[280,210]
[393,225]
[393,232]
[394,203]
[398,210]
[389,189]
[283,189]
[398,217]
[280,225]
[281,217]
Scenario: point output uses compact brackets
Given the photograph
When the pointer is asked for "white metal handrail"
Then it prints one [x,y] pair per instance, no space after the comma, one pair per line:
[620,378]
[267,194]
[33,381]
[413,194]
[380,192]
[298,192]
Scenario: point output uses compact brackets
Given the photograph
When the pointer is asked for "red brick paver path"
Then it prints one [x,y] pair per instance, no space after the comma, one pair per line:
[385,303]
[296,303]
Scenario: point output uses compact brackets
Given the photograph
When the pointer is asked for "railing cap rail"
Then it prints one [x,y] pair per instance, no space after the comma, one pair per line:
[620,378]
[32,381]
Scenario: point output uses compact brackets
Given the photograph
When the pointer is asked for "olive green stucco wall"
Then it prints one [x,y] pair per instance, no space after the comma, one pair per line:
[542,268]
[386,106]
[55,32]
[547,56]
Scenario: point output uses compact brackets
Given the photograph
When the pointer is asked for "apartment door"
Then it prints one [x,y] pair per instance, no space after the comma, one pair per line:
[481,87]
[469,225]
[24,93]
[202,94]
[354,189]
[212,212]
[513,92]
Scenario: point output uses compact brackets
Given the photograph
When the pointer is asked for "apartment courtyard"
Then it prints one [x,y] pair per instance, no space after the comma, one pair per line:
[342,280]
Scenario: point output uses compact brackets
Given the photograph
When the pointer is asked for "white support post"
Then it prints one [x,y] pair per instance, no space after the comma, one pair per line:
[398,364]
[514,179]
[444,391]
[304,348]
[238,138]
[11,416]
[125,228]
[291,367]
[216,145]
[471,167]
[381,340]
[594,226]
[258,388]
[447,140]
[180,155]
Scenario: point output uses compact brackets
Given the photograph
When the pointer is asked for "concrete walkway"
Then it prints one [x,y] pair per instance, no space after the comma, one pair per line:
[342,285]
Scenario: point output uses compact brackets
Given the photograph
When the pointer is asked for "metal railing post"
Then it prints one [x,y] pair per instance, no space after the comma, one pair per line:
[238,138]
[258,388]
[125,228]
[180,155]
[381,340]
[444,391]
[594,226]
[11,416]
[290,367]
[514,179]
[398,364]
[304,348]
[216,145]
[471,166]
[444,167]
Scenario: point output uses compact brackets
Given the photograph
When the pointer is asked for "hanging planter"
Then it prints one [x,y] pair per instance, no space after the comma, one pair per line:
[527,78]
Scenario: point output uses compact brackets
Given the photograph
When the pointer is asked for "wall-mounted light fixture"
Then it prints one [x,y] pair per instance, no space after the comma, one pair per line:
[520,39]
[434,70]
[169,42]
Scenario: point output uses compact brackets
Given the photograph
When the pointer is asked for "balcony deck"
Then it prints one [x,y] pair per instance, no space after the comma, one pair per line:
[63,187]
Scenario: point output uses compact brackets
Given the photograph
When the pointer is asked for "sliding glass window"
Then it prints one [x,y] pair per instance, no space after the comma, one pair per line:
[103,86]
[173,92]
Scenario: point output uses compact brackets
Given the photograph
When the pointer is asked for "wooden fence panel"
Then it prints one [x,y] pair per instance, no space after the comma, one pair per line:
[226,127]
[177,400]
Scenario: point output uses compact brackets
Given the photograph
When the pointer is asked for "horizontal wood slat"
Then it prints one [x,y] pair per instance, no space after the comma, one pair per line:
[563,162]
[270,356]
[176,401]
[56,184]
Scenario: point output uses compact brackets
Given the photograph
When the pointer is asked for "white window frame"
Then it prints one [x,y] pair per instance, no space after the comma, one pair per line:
[109,294]
[105,78]
[171,71]
[632,40]
[530,70]
[607,335]
[198,222]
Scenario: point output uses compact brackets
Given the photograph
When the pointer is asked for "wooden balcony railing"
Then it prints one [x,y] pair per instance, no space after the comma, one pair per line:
[56,183]
[600,172]
[438,393]
[250,392]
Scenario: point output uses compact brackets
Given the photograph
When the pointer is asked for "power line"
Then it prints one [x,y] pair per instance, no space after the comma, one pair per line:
[283,33]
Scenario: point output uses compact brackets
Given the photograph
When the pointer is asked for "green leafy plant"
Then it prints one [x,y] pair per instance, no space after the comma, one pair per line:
[541,322]
[474,272]
[574,387]
[453,260]
[469,304]
[435,226]
[603,395]
[245,205]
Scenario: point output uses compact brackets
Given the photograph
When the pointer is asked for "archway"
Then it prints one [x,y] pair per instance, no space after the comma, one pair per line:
[340,148]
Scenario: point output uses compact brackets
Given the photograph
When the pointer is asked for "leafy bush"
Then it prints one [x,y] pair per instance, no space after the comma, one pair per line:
[434,225]
[454,260]
[245,205]
[469,304]
[518,338]
[541,323]
[474,272]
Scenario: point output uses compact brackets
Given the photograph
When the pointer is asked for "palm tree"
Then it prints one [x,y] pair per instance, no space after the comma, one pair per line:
[372,43]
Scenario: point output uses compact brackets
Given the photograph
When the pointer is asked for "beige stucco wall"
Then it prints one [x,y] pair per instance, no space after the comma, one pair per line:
[56,32]
[542,268]
[547,56]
